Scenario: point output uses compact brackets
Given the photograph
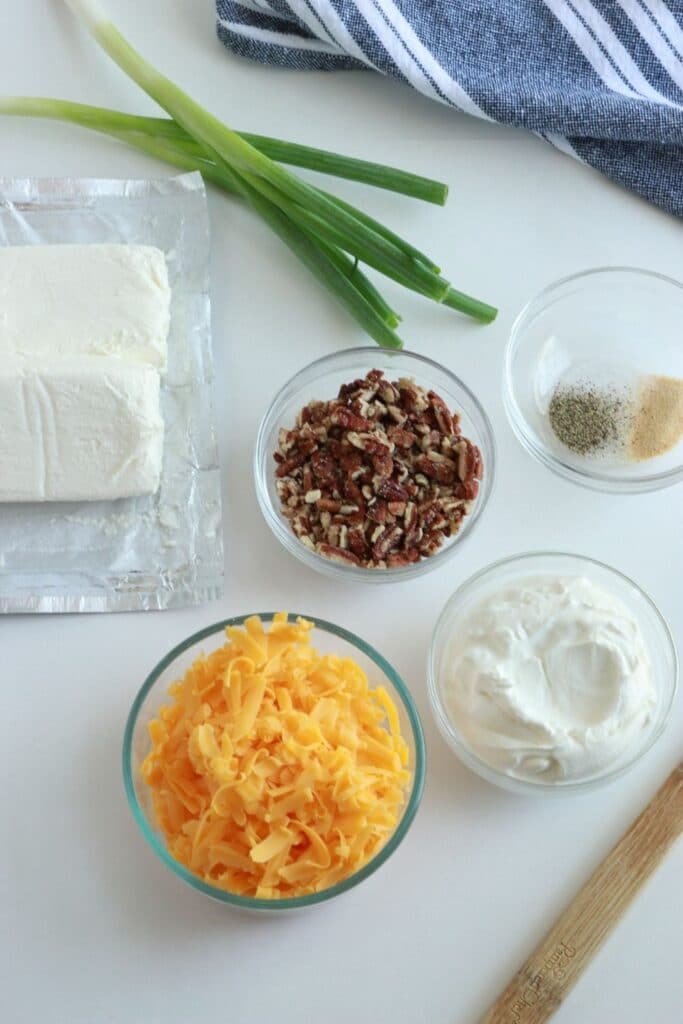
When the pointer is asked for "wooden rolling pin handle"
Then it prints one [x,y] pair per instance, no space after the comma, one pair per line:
[539,987]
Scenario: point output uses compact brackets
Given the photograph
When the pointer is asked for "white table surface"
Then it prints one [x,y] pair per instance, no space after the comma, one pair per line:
[93,928]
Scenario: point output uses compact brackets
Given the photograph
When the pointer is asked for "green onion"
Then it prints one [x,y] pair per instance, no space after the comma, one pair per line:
[113,121]
[127,126]
[328,235]
[480,311]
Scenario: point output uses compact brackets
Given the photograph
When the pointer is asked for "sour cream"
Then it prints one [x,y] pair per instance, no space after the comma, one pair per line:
[550,680]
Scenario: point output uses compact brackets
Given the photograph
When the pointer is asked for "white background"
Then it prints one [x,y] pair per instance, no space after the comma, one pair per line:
[94,929]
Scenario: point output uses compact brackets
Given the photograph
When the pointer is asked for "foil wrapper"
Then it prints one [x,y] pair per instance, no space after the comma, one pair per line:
[134,554]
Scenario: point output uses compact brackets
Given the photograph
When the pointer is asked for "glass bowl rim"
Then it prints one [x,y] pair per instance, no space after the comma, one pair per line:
[318,562]
[583,476]
[296,902]
[481,767]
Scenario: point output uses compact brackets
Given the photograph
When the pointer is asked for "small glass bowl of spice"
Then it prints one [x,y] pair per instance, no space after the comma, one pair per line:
[373,465]
[593,384]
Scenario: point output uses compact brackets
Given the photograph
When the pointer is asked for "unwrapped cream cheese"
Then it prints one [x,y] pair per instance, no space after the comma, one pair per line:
[109,300]
[549,680]
[83,340]
[78,429]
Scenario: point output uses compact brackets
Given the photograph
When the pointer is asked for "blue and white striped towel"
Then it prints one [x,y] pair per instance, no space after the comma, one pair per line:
[600,79]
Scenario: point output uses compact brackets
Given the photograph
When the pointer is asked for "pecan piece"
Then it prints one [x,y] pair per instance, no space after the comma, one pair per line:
[388,539]
[468,490]
[328,505]
[397,414]
[402,438]
[307,478]
[314,413]
[352,491]
[348,389]
[350,461]
[369,443]
[383,465]
[344,417]
[477,466]
[286,467]
[388,393]
[337,554]
[400,558]
[410,517]
[441,468]
[324,468]
[431,514]
[392,491]
[396,508]
[356,542]
[377,513]
[307,445]
[443,418]
[431,543]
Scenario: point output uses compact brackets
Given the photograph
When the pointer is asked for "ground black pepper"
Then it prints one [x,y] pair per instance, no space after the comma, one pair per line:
[585,418]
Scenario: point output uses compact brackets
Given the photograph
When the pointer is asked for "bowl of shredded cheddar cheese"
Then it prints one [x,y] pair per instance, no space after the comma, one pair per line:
[273,761]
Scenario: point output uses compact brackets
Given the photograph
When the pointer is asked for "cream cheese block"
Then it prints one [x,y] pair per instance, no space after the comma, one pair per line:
[107,300]
[78,428]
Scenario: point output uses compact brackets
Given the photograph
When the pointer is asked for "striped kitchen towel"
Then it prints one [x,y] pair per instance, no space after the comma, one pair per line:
[602,80]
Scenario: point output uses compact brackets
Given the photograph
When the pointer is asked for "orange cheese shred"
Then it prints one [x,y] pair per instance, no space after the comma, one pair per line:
[276,771]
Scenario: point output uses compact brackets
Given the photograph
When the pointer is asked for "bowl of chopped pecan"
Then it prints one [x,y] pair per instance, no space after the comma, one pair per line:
[374,464]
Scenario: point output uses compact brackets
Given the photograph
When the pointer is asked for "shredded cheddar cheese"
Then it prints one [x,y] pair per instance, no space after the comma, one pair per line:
[276,771]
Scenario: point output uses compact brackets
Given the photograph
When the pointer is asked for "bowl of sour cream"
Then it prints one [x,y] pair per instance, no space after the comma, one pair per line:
[551,672]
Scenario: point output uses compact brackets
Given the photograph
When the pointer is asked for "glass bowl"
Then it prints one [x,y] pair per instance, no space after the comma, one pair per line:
[321,380]
[327,638]
[611,325]
[657,636]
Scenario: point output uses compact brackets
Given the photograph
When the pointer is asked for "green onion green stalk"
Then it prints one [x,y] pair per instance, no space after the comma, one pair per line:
[329,236]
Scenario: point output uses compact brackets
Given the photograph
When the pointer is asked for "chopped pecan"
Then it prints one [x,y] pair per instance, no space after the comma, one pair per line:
[314,413]
[431,543]
[370,443]
[388,393]
[468,490]
[400,558]
[383,466]
[337,554]
[402,438]
[392,490]
[430,514]
[343,417]
[377,513]
[352,491]
[324,468]
[286,467]
[410,517]
[441,469]
[350,389]
[413,538]
[328,505]
[388,539]
[396,508]
[442,416]
[379,476]
[397,414]
[356,542]
[350,461]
